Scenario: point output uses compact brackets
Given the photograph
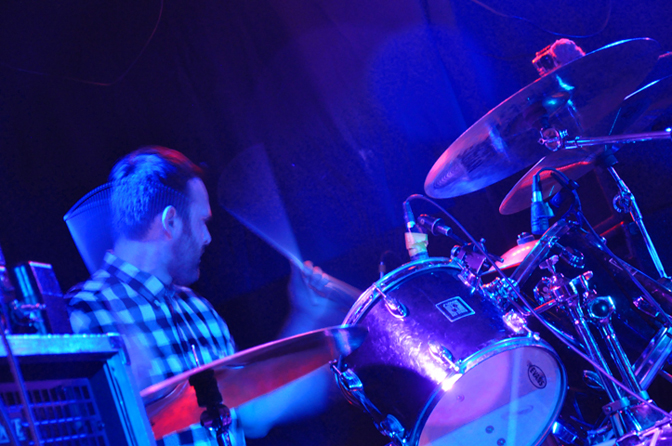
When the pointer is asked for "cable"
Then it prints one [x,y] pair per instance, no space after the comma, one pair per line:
[99,84]
[509,16]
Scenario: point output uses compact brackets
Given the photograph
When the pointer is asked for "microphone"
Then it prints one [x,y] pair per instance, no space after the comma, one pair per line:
[435,226]
[409,218]
[540,212]
[416,241]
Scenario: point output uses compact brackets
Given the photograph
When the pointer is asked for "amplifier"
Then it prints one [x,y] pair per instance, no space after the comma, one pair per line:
[79,389]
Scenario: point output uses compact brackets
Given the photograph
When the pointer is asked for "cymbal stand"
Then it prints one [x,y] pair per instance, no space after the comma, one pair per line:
[586,307]
[625,199]
[216,415]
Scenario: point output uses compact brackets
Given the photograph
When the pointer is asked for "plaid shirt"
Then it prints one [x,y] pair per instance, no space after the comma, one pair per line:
[164,328]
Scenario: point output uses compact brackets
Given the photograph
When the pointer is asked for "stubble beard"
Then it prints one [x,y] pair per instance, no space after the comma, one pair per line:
[186,259]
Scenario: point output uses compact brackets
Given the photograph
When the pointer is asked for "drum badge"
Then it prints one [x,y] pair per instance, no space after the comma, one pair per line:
[536,375]
[454,308]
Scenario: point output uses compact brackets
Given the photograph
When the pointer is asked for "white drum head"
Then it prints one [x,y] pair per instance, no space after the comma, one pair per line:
[510,398]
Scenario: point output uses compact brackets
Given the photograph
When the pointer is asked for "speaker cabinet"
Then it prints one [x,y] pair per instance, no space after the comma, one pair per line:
[79,389]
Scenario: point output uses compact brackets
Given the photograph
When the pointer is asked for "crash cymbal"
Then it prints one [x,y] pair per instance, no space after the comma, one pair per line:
[573,163]
[573,97]
[171,404]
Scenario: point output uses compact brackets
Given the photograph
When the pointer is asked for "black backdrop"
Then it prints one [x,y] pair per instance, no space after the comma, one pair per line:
[353,102]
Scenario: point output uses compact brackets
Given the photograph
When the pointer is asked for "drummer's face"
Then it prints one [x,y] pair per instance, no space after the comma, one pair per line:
[191,242]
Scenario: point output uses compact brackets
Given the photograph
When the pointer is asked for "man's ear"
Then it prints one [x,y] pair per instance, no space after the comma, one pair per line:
[170,222]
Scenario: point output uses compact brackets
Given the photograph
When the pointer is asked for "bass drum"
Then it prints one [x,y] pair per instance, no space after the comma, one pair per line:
[440,367]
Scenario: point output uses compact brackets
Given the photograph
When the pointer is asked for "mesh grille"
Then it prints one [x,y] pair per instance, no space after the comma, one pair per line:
[65,412]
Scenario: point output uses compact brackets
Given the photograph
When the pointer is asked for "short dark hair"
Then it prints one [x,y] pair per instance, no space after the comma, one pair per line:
[144,182]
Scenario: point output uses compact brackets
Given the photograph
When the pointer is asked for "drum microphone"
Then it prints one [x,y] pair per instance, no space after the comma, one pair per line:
[435,226]
[540,212]
[416,241]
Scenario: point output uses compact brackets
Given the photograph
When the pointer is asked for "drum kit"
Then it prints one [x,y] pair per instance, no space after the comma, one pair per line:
[555,342]
[456,355]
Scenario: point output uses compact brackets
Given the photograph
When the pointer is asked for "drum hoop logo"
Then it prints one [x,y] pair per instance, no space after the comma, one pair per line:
[536,375]
[455,308]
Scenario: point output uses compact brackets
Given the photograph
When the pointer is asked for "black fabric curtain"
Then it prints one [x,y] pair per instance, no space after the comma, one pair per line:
[352,102]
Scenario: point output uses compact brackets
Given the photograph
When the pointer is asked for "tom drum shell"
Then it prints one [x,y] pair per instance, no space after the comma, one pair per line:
[440,366]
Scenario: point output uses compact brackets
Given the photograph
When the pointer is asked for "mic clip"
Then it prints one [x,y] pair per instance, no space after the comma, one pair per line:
[468,254]
[416,244]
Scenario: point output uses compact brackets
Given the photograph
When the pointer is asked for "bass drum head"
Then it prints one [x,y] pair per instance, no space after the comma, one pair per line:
[510,399]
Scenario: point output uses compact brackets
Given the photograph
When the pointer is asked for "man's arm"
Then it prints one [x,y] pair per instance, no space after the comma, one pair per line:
[310,310]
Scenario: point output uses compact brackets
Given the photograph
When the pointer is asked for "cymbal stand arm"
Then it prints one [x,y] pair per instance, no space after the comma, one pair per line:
[620,359]
[568,295]
[600,309]
[627,203]
[625,195]
[581,141]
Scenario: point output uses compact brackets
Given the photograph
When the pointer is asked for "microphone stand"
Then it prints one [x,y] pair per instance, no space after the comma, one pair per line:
[625,199]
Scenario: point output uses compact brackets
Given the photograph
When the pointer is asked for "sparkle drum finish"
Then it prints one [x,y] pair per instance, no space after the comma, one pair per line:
[440,366]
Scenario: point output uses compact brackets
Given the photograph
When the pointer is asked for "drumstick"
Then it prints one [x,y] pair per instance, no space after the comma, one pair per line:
[336,290]
[247,190]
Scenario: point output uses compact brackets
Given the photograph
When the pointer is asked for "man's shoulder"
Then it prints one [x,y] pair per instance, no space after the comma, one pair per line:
[94,287]
[193,297]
